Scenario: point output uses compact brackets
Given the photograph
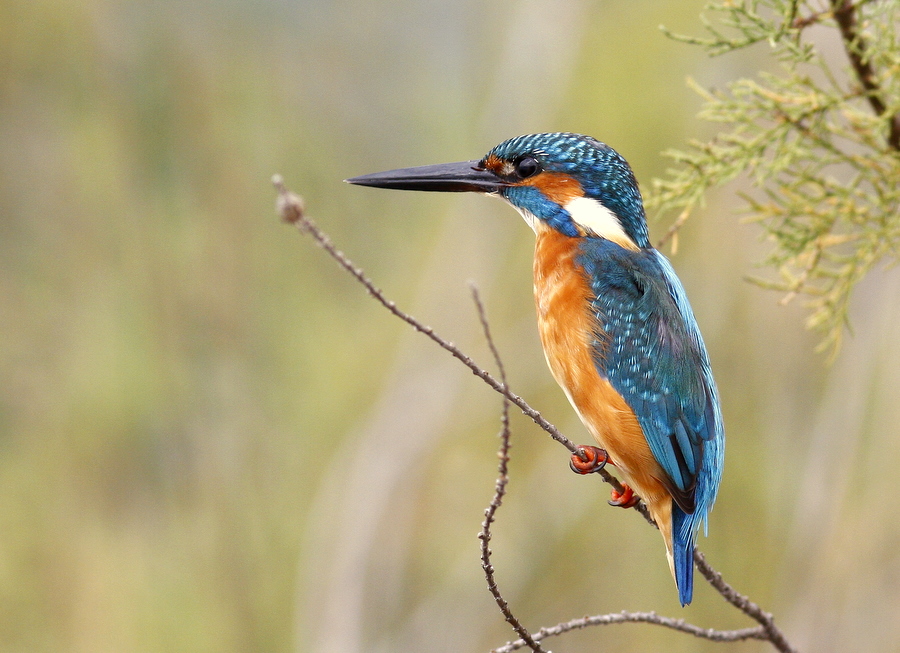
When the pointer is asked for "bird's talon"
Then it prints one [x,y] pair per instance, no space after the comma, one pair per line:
[588,460]
[624,499]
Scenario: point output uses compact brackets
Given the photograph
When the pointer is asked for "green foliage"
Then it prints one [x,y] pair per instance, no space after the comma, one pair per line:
[818,145]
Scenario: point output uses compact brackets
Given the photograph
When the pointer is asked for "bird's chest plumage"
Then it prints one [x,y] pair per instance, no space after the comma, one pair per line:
[562,297]
[570,333]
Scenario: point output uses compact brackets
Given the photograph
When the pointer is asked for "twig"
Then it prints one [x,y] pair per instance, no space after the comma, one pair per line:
[672,231]
[680,625]
[290,208]
[499,489]
[745,605]
[855,47]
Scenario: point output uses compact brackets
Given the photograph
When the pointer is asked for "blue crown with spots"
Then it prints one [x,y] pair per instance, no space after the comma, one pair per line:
[602,172]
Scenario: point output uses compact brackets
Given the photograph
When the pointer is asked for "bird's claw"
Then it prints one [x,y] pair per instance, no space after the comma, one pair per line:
[624,499]
[588,460]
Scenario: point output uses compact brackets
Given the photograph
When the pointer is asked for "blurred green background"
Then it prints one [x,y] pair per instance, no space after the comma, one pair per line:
[212,440]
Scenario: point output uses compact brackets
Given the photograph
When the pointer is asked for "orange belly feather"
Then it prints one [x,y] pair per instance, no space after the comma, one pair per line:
[567,326]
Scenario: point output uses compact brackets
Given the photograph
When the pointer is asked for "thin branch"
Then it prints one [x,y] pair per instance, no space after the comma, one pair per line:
[855,47]
[674,228]
[680,625]
[499,488]
[290,208]
[745,605]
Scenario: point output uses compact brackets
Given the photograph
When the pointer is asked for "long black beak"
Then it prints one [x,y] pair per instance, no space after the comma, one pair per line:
[446,177]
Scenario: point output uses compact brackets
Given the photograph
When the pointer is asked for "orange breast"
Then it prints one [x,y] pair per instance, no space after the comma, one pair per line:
[567,326]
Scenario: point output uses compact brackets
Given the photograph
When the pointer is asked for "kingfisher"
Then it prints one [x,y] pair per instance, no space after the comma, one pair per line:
[618,333]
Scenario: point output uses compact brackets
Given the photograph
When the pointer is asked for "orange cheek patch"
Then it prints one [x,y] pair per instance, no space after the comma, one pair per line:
[556,186]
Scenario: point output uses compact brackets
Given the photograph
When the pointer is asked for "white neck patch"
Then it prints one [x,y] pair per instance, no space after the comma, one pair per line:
[593,217]
[590,215]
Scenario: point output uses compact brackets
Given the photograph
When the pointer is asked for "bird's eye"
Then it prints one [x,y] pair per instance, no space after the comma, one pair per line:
[527,166]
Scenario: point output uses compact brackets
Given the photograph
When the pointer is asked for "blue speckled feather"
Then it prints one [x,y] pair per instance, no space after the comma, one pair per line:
[649,347]
[652,353]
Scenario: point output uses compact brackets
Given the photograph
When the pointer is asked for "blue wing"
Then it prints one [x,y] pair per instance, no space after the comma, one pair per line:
[649,347]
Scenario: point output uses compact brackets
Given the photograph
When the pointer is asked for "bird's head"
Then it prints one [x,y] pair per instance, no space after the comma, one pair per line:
[568,182]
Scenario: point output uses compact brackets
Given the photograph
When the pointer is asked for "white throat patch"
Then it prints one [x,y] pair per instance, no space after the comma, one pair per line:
[593,217]
[590,215]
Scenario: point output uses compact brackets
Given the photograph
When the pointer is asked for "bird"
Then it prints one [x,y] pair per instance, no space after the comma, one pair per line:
[617,330]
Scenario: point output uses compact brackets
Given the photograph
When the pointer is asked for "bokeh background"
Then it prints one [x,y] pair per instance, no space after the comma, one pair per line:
[211,439]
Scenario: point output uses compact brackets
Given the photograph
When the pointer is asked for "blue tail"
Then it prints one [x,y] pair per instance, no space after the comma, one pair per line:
[683,553]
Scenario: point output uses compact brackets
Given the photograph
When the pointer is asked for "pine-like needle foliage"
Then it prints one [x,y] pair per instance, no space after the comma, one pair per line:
[820,144]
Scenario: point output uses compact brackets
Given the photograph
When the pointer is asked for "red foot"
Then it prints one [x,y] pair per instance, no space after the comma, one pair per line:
[594,460]
[624,499]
